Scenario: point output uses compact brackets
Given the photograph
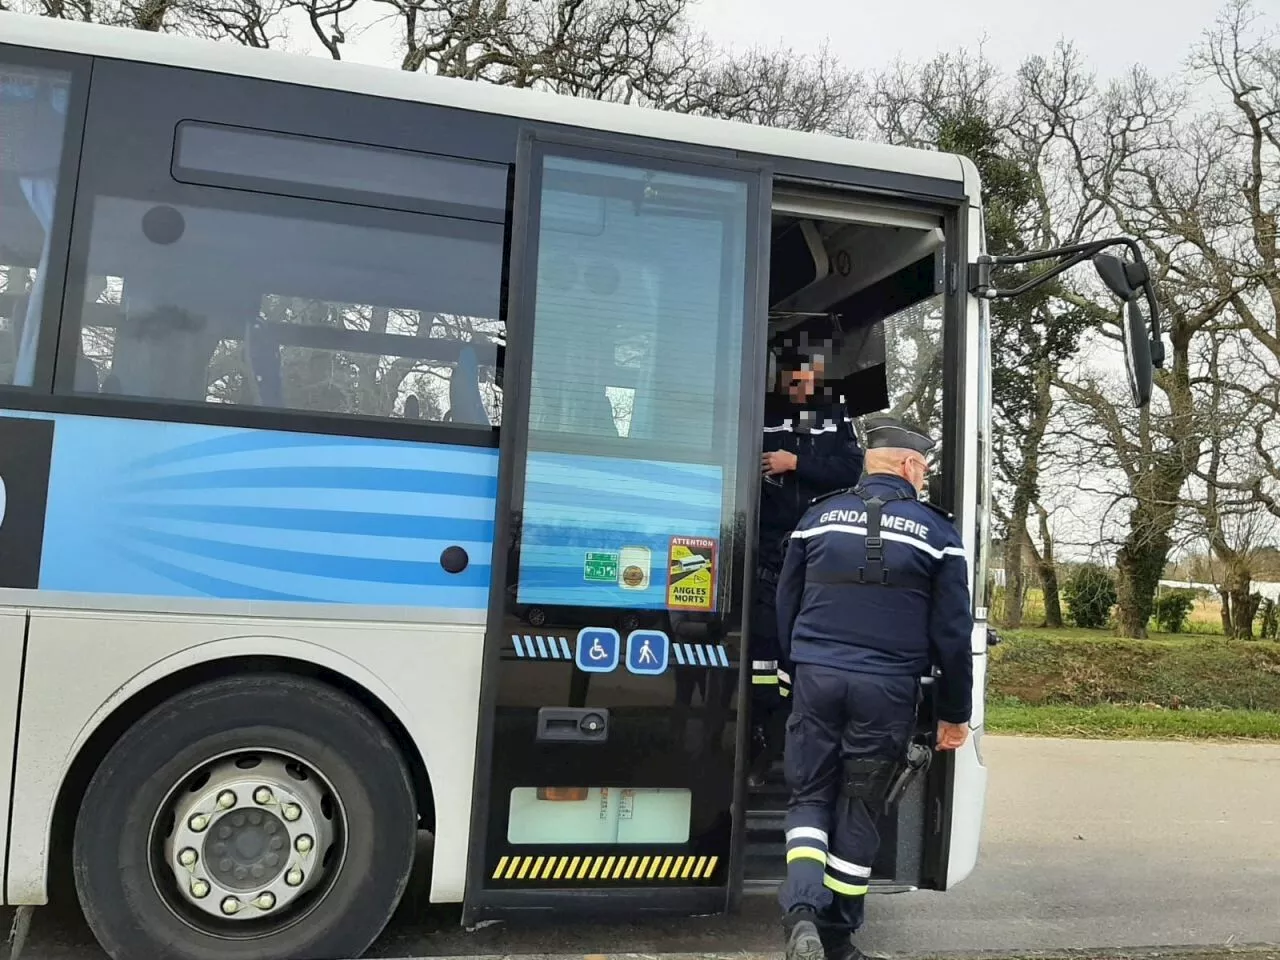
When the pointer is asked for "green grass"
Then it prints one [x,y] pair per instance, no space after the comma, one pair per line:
[1111,722]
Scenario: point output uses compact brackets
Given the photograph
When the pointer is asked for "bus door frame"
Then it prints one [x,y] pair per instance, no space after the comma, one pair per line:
[519,281]
[957,346]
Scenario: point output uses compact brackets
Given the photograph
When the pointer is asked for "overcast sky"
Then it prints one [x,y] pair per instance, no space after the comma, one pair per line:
[1111,35]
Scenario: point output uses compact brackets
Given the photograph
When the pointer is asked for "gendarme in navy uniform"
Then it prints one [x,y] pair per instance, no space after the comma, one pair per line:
[861,618]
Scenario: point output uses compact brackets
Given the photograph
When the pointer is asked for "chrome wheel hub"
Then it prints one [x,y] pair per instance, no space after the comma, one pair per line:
[257,833]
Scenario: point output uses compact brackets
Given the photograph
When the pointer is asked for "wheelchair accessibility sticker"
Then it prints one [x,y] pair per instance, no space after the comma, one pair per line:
[648,652]
[598,650]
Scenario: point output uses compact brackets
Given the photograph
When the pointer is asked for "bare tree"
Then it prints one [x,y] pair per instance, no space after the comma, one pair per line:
[1231,522]
[1241,57]
[253,23]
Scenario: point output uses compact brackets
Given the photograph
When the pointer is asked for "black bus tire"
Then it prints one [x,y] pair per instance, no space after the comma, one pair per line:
[127,889]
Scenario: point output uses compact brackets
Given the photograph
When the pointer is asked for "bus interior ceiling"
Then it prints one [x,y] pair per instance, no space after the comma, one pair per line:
[833,282]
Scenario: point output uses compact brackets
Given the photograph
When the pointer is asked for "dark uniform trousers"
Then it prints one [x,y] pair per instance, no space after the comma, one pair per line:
[768,706]
[832,841]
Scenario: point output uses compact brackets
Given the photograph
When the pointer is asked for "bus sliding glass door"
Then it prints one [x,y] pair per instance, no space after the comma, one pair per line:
[607,747]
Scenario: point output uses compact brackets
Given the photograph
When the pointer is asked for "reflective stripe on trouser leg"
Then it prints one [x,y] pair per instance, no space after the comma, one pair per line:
[807,843]
[784,683]
[806,865]
[764,673]
[844,878]
[853,849]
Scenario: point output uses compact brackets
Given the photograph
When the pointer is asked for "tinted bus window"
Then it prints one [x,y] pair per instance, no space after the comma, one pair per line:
[230,297]
[33,120]
[636,387]
[332,169]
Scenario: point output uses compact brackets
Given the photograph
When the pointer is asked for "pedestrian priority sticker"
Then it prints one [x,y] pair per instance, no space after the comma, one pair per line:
[691,574]
[648,652]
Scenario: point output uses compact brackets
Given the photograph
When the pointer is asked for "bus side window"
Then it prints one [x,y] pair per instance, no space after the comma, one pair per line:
[308,294]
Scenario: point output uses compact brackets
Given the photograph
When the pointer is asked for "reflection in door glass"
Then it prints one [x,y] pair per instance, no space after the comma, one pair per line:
[913,370]
[33,117]
[635,393]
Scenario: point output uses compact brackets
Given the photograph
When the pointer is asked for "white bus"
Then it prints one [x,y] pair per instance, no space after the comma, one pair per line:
[356,431]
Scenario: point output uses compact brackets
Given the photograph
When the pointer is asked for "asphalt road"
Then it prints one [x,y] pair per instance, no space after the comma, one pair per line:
[1089,844]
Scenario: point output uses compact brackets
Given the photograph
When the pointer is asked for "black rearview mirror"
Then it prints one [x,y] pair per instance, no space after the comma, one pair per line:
[1137,354]
[1127,279]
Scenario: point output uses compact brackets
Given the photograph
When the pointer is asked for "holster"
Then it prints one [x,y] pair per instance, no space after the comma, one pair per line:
[916,762]
[868,780]
[881,783]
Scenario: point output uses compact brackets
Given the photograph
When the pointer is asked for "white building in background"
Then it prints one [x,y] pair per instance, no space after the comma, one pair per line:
[1269,591]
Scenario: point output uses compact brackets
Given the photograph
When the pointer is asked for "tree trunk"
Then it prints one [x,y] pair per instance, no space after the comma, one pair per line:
[1270,621]
[1015,595]
[1026,492]
[1255,601]
[1224,611]
[1244,607]
[1140,562]
[1049,575]
[1239,606]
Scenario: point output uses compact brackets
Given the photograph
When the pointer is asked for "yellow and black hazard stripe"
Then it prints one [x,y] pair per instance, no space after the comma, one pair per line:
[603,869]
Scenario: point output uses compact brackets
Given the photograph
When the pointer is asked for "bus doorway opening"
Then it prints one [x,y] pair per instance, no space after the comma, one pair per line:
[859,289]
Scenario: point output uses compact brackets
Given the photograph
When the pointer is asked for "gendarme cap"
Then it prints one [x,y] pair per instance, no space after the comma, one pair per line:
[885,431]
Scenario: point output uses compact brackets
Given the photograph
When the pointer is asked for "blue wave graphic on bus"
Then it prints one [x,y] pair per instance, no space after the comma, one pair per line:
[575,504]
[186,510]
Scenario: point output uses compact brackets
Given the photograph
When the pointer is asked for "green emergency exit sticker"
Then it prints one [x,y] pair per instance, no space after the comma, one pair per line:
[601,567]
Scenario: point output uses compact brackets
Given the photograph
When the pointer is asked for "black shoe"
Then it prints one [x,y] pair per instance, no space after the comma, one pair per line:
[837,945]
[803,942]
[845,951]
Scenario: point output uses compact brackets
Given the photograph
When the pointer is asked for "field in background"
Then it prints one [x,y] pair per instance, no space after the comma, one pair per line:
[1205,618]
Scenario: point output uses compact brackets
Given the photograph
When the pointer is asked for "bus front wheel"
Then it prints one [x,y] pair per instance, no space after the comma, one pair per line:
[267,817]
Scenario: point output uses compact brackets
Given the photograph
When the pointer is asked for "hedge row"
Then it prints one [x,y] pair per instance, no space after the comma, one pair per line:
[1208,673]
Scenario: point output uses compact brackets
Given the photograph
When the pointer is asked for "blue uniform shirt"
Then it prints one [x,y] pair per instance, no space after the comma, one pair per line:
[921,619]
[828,458]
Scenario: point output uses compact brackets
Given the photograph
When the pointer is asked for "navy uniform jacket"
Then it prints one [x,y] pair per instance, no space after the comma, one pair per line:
[828,458]
[922,622]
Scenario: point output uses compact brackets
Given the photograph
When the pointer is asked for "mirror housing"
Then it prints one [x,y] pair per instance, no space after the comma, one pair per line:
[1126,279]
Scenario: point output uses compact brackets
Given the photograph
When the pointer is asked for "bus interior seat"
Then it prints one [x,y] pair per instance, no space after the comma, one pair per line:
[465,403]
[262,352]
[86,374]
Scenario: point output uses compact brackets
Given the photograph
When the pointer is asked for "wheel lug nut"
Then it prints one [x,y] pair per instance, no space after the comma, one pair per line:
[230,905]
[303,844]
[265,901]
[294,877]
[199,822]
[291,811]
[226,800]
[262,796]
[188,857]
[200,889]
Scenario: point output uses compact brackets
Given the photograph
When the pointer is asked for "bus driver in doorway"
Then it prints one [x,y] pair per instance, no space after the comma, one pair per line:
[810,449]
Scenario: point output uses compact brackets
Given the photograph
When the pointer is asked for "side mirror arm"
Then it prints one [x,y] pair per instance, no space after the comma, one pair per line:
[980,284]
